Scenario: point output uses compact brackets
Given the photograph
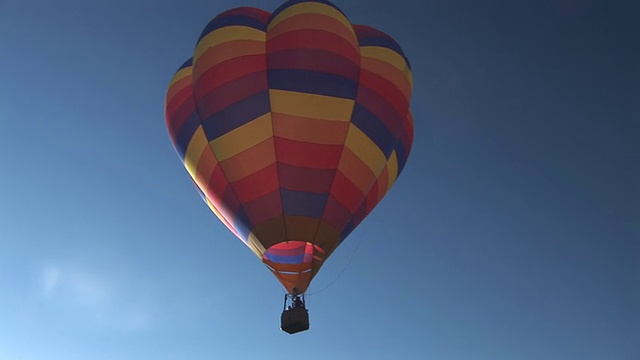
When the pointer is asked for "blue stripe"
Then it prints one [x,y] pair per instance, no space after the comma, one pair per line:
[242,224]
[236,115]
[186,64]
[347,230]
[186,133]
[231,20]
[283,259]
[300,203]
[375,129]
[294,2]
[386,42]
[401,154]
[312,82]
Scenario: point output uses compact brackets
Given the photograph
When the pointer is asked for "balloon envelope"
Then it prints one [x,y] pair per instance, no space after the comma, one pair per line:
[293,126]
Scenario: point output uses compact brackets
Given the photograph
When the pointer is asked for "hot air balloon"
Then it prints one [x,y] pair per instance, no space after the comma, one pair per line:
[293,125]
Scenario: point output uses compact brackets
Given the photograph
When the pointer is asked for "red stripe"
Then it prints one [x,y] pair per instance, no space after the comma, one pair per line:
[382,109]
[406,140]
[314,39]
[316,156]
[217,185]
[372,198]
[179,117]
[257,184]
[305,179]
[386,90]
[221,195]
[232,92]
[264,208]
[227,71]
[178,85]
[335,214]
[178,99]
[346,192]
[291,248]
[313,22]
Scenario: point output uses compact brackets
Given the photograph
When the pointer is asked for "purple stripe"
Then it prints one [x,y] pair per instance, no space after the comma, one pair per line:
[300,203]
[236,115]
[231,20]
[283,259]
[186,133]
[313,60]
[374,129]
[294,2]
[313,82]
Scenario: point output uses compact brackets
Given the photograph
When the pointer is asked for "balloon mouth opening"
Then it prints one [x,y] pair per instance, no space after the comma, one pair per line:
[294,263]
[293,252]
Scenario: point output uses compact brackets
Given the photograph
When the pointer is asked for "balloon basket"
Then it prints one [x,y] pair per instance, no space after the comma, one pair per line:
[294,320]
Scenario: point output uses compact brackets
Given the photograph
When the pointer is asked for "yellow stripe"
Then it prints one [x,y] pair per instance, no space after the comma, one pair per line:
[216,211]
[183,73]
[392,169]
[255,245]
[365,149]
[243,138]
[226,34]
[311,105]
[407,73]
[311,8]
[389,56]
[194,151]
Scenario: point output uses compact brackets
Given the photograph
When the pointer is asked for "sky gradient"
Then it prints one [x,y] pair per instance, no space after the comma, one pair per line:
[513,232]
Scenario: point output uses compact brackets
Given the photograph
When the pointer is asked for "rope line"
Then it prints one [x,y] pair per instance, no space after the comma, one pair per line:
[353,255]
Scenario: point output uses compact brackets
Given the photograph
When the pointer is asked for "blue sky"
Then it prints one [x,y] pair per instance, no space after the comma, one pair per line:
[512,233]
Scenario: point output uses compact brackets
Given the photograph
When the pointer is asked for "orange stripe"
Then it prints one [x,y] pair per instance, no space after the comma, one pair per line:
[389,72]
[174,103]
[225,51]
[249,161]
[315,39]
[356,171]
[309,130]
[205,168]
[314,21]
[346,192]
[179,86]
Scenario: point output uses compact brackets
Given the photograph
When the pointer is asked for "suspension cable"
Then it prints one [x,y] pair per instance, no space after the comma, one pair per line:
[353,254]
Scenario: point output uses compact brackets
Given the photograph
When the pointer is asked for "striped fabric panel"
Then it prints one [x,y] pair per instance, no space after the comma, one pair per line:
[292,7]
[294,252]
[313,61]
[293,125]
[391,171]
[188,138]
[377,124]
[294,263]
[231,90]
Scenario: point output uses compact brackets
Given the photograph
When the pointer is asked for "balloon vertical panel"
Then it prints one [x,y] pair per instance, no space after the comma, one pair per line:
[231,92]
[314,61]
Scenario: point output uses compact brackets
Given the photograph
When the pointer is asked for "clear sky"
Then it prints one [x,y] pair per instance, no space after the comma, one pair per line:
[513,233]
